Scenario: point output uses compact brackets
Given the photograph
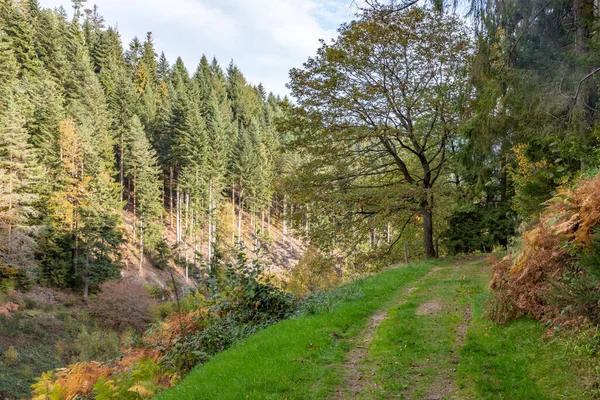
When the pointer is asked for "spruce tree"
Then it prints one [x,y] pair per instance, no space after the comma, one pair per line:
[145,174]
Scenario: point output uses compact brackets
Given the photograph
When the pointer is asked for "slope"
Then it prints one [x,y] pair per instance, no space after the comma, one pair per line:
[412,332]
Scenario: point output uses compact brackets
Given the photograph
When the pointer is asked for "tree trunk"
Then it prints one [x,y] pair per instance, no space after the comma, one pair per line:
[209,252]
[233,215]
[141,243]
[427,215]
[388,238]
[284,221]
[177,219]
[240,219]
[122,165]
[171,196]
[86,280]
[307,225]
[291,228]
[186,231]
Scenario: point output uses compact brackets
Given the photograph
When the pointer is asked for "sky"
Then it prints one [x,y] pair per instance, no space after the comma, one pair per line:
[265,38]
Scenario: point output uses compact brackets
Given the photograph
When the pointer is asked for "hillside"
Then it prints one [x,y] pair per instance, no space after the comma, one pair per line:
[277,251]
[415,332]
[47,328]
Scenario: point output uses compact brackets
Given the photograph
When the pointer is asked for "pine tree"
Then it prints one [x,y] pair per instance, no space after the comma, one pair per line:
[19,34]
[19,179]
[144,172]
[149,60]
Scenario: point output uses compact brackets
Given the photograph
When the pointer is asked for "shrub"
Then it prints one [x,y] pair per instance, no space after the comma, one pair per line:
[314,272]
[97,345]
[556,277]
[11,356]
[243,301]
[13,278]
[155,291]
[122,304]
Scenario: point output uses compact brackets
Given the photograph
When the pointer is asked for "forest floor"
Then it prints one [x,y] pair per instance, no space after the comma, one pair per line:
[413,332]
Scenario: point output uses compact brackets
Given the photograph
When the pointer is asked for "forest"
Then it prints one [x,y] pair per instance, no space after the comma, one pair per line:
[151,215]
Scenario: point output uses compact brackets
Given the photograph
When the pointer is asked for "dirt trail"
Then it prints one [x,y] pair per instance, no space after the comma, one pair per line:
[356,379]
[444,386]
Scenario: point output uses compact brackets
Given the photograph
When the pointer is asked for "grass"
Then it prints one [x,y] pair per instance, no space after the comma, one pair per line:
[435,356]
[450,352]
[296,358]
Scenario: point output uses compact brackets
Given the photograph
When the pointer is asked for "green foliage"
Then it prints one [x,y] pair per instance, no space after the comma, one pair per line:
[141,383]
[97,345]
[576,292]
[374,156]
[314,272]
[478,229]
[294,358]
[13,278]
[11,356]
[243,302]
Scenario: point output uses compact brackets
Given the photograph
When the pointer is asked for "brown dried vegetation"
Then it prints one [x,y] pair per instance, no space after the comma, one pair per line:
[524,285]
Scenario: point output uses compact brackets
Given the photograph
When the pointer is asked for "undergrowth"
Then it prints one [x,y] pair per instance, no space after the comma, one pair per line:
[239,300]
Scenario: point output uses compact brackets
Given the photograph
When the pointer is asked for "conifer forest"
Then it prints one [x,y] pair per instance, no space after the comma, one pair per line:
[179,231]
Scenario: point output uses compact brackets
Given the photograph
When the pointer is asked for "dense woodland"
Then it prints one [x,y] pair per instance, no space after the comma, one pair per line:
[410,128]
[91,129]
[419,131]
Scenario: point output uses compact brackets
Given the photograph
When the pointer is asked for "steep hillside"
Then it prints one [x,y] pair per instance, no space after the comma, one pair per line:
[280,252]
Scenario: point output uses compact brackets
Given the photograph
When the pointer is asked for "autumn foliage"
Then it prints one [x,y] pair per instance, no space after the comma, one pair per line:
[242,302]
[121,305]
[547,280]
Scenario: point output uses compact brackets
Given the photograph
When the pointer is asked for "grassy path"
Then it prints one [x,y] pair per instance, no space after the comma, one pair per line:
[416,332]
[437,345]
[297,358]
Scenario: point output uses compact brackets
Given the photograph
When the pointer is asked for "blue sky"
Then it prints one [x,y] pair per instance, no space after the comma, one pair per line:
[265,38]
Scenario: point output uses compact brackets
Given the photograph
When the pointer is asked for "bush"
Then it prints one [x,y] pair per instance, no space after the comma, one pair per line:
[243,301]
[11,356]
[121,305]
[13,278]
[556,276]
[97,345]
[321,302]
[155,291]
[314,272]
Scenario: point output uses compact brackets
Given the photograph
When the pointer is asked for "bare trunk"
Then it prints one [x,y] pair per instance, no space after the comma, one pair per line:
[141,243]
[388,239]
[133,228]
[284,218]
[171,196]
[122,166]
[240,220]
[86,287]
[232,215]
[186,228]
[10,195]
[209,252]
[291,232]
[177,218]
[427,215]
[307,225]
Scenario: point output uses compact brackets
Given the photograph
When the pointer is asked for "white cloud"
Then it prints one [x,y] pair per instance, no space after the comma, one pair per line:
[265,38]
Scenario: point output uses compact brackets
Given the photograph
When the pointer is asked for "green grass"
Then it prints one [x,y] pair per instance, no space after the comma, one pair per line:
[296,358]
[454,352]
[418,356]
